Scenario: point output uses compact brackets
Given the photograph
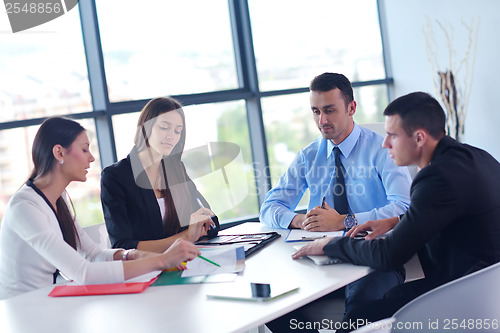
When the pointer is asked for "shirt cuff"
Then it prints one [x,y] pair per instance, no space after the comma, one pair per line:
[362,217]
[286,219]
[109,254]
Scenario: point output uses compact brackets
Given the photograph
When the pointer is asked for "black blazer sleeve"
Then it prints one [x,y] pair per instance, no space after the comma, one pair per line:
[435,205]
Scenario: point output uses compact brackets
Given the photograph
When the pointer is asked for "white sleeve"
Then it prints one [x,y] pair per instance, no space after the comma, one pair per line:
[88,248]
[38,227]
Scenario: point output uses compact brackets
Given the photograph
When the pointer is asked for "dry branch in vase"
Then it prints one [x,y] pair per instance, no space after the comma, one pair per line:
[453,84]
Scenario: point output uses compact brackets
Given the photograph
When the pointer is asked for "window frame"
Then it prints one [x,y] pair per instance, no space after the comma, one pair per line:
[103,110]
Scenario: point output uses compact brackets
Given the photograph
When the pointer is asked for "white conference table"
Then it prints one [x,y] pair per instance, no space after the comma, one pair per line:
[183,308]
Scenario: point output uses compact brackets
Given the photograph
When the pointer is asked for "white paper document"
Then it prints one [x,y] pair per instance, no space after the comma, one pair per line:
[145,277]
[230,260]
[299,235]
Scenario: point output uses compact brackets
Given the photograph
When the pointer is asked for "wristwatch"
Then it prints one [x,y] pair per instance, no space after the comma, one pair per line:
[350,221]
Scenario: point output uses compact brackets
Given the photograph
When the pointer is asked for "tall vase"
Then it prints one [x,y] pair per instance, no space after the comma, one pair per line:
[455,113]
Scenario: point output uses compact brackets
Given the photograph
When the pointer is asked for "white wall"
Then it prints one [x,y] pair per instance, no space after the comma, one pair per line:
[405,22]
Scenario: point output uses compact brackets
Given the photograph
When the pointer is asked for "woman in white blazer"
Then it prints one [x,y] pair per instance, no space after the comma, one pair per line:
[40,237]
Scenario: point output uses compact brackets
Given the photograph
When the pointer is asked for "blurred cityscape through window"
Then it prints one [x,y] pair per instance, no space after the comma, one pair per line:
[201,52]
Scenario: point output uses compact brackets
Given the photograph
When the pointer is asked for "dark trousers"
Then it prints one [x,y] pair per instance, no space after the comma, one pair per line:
[357,294]
[370,288]
[392,301]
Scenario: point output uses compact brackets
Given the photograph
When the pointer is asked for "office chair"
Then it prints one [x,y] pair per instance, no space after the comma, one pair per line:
[381,326]
[473,297]
[99,234]
[468,304]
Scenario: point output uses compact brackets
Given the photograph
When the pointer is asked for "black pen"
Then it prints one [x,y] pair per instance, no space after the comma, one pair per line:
[311,238]
[201,206]
[323,203]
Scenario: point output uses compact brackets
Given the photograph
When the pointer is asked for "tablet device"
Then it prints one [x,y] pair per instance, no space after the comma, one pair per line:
[251,242]
[249,291]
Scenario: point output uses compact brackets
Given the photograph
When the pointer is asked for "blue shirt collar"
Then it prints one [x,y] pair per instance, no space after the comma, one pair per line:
[348,144]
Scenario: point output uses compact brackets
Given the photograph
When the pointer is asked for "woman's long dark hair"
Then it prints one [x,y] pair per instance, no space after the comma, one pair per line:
[171,171]
[56,131]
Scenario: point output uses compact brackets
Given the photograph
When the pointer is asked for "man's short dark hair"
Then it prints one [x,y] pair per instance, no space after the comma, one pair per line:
[328,81]
[419,110]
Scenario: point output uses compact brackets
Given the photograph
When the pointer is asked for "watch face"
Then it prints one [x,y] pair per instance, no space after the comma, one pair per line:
[349,221]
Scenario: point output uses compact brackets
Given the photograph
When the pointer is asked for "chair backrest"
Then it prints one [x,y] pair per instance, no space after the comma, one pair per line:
[99,234]
[468,304]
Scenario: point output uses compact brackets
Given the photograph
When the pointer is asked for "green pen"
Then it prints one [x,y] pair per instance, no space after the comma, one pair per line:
[210,261]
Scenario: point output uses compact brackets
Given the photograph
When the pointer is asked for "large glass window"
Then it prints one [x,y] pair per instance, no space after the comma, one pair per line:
[223,129]
[295,40]
[289,128]
[371,102]
[43,71]
[217,155]
[186,49]
[157,48]
[15,162]
[124,127]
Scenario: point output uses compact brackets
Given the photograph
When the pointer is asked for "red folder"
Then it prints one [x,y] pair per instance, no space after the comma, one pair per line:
[100,289]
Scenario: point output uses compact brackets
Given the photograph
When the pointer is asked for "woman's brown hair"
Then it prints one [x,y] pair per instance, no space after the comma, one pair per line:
[172,183]
[56,131]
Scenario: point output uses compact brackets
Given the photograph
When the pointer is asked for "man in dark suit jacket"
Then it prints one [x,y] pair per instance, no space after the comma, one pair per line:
[453,222]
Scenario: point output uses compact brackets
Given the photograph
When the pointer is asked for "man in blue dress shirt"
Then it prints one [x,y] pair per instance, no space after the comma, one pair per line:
[375,187]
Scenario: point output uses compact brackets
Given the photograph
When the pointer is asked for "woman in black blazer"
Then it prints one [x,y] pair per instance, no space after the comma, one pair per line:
[148,199]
